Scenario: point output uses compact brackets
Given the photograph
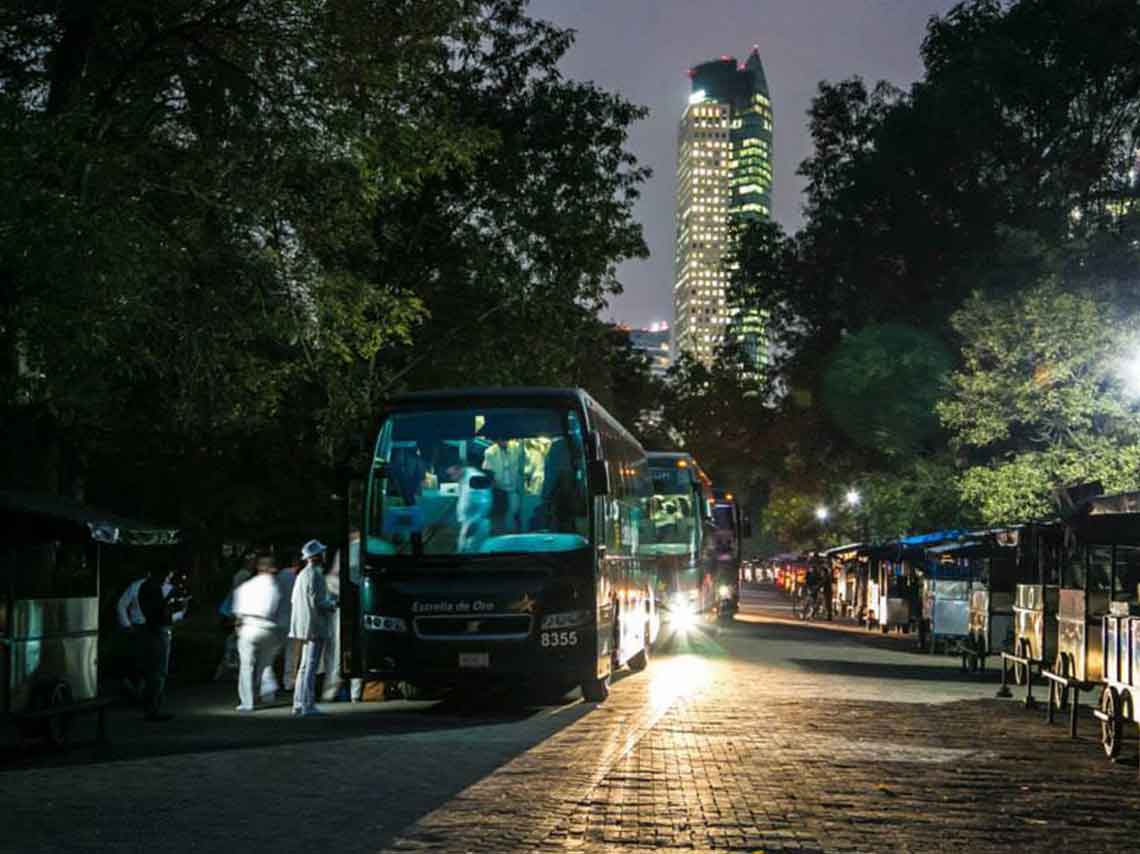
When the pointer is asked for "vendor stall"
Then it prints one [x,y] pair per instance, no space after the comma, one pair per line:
[49,610]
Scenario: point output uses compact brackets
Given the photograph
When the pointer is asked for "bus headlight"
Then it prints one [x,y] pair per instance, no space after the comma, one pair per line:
[564,620]
[378,623]
[682,611]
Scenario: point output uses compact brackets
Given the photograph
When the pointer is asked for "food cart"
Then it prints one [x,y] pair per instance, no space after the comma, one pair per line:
[946,586]
[891,586]
[849,568]
[1036,599]
[995,575]
[1121,644]
[1099,613]
[49,610]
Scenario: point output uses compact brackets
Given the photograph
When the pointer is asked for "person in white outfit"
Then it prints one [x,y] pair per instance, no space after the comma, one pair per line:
[312,607]
[334,679]
[285,579]
[473,507]
[257,606]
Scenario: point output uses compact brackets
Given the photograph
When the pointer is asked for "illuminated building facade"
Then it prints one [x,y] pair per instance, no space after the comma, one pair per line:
[724,171]
[653,343]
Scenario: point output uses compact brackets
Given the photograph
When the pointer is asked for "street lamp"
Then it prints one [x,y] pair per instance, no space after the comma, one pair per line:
[821,513]
[853,498]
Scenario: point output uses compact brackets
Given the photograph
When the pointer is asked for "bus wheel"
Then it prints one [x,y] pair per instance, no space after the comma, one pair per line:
[596,690]
[641,660]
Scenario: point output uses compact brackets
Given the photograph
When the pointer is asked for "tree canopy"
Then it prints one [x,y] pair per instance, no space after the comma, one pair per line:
[228,228]
[1012,162]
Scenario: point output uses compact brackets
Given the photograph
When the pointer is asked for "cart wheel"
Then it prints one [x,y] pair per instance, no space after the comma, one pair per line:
[1059,694]
[47,695]
[1021,671]
[1110,728]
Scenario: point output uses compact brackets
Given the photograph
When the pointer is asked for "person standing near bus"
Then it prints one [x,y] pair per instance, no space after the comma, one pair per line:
[257,605]
[285,579]
[310,624]
[334,678]
[131,620]
[158,604]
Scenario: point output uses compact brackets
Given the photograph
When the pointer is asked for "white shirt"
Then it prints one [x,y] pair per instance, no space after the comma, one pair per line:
[311,606]
[473,504]
[128,610]
[258,599]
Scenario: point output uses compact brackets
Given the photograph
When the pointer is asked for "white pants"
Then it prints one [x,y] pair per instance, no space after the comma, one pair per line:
[257,647]
[304,692]
[288,650]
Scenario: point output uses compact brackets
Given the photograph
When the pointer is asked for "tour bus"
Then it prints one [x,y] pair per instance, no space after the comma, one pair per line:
[501,534]
[730,527]
[682,546]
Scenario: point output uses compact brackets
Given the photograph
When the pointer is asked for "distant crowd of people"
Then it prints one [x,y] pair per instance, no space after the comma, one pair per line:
[282,618]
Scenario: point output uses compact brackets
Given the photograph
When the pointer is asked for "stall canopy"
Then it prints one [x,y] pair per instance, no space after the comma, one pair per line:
[1107,519]
[847,551]
[33,518]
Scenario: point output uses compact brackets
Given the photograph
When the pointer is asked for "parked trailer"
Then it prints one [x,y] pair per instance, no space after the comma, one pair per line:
[49,610]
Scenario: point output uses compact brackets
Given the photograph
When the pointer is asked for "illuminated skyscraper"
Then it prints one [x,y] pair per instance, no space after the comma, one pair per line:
[724,170]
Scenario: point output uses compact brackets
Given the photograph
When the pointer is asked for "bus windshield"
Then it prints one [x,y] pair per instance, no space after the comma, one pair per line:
[674,510]
[485,480]
[724,518]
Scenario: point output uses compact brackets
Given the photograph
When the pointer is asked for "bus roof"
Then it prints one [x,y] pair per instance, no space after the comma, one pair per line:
[514,393]
[508,392]
[672,458]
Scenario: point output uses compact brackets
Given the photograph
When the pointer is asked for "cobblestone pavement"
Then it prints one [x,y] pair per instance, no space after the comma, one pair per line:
[763,736]
[776,737]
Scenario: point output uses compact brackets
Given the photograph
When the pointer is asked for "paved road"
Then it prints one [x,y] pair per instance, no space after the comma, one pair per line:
[767,735]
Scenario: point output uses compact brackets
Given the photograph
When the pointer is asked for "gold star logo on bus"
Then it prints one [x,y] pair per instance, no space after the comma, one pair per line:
[525,604]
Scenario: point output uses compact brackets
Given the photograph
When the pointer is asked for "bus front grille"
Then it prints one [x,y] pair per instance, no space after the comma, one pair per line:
[474,627]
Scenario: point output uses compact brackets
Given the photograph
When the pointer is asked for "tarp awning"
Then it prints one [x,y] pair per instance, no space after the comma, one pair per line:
[34,517]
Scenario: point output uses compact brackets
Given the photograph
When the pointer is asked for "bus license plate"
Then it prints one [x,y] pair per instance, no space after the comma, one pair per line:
[474,659]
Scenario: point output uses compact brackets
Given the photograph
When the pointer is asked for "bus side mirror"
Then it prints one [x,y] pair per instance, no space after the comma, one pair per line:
[599,475]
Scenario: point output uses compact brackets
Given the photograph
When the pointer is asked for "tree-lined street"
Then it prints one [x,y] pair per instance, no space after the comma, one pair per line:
[766,735]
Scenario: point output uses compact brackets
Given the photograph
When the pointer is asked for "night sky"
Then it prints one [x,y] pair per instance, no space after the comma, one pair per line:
[644,48]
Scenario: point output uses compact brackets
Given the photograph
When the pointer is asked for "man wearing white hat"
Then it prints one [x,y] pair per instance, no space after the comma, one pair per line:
[312,608]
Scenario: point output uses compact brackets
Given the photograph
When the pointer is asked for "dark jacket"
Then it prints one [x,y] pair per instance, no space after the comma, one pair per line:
[154,605]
